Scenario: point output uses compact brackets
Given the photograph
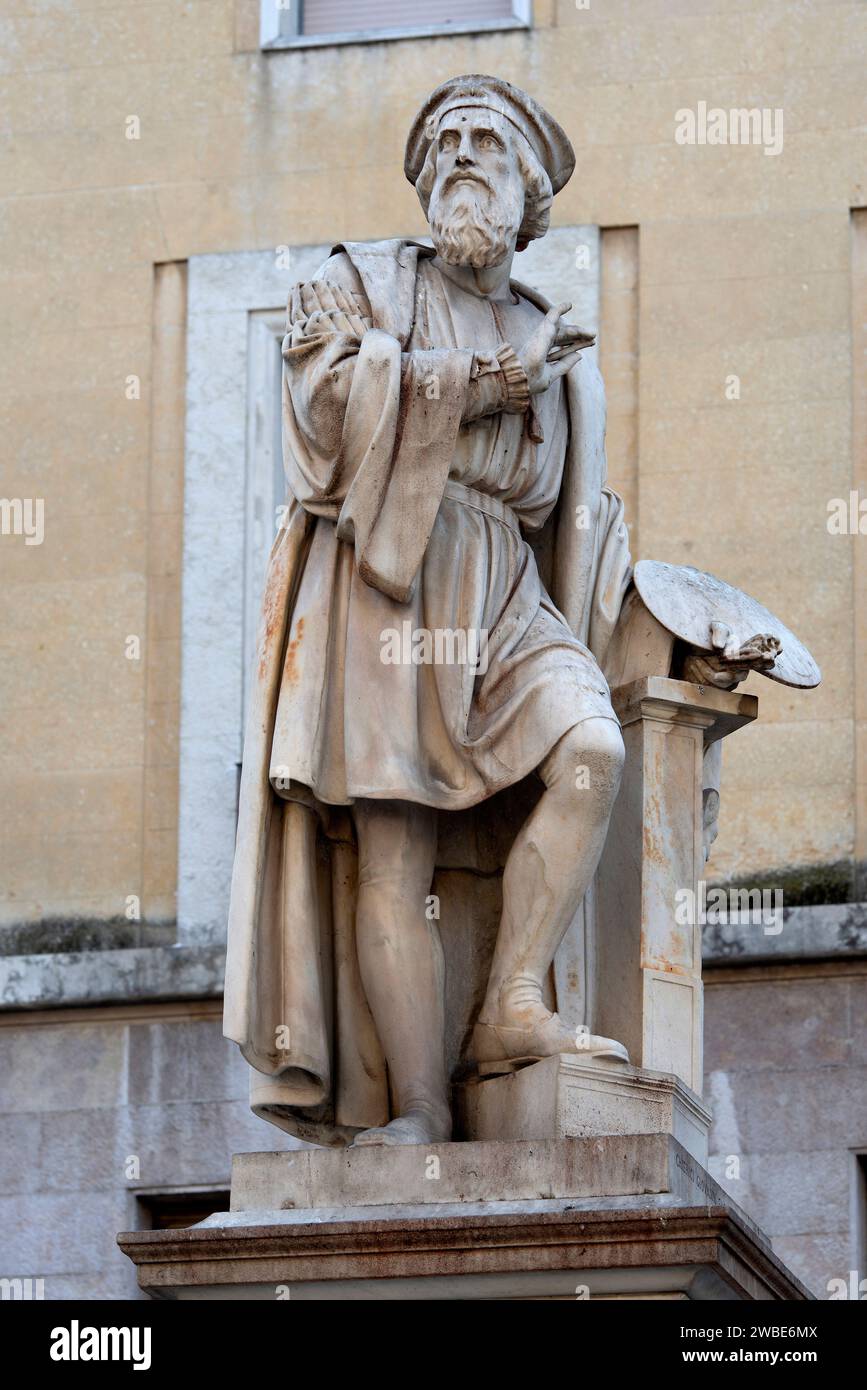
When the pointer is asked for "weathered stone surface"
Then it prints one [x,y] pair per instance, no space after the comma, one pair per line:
[39,1065]
[60,1233]
[818,1258]
[635,1247]
[98,977]
[833,929]
[564,1097]
[174,1061]
[814,1023]
[503,1171]
[787,1114]
[88,1127]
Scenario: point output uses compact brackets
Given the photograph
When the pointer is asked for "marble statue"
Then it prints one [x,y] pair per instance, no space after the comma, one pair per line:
[444,601]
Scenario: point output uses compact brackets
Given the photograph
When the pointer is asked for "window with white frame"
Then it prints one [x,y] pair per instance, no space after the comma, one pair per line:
[299,23]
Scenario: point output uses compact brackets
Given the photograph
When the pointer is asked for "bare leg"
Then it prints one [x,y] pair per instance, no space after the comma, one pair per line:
[401,961]
[549,869]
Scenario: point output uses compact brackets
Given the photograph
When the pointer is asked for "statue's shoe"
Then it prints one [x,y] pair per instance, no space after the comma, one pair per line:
[498,1049]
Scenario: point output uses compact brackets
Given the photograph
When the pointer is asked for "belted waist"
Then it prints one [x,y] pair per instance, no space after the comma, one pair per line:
[483,502]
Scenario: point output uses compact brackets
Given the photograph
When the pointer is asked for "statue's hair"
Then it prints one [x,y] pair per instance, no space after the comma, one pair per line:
[538,193]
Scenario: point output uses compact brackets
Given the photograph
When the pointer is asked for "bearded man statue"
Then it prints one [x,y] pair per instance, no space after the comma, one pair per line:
[443,445]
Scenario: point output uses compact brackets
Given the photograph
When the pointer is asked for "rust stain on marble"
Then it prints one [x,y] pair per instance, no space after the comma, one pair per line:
[290,668]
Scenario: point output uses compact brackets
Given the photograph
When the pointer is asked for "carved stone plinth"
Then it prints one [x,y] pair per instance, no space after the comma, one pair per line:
[567,1097]
[631,1216]
[346,1180]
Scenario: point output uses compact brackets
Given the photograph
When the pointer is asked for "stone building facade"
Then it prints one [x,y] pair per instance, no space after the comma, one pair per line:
[171,168]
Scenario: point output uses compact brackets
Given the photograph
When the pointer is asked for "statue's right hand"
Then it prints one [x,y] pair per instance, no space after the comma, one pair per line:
[318,307]
[552,349]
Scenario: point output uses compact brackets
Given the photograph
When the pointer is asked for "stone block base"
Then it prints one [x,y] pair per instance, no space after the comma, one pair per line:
[565,1097]
[631,1216]
[347,1180]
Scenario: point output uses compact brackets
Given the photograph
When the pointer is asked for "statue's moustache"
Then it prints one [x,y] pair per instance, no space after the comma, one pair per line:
[466,176]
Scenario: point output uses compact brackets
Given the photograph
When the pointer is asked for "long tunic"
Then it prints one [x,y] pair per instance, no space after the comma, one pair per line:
[378,698]
[368,484]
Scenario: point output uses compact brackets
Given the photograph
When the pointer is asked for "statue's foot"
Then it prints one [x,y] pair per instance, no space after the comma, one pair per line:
[540,1034]
[415,1127]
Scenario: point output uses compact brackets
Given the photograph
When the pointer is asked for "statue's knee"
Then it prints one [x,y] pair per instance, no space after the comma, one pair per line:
[589,758]
[605,753]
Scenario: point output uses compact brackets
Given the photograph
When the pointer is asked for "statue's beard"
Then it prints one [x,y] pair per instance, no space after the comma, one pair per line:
[473,223]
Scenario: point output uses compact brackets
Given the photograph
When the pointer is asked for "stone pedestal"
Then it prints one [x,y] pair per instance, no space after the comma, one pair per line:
[648,958]
[574,1178]
[623,1216]
[565,1097]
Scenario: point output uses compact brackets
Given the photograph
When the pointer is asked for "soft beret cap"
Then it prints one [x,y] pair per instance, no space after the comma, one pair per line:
[546,136]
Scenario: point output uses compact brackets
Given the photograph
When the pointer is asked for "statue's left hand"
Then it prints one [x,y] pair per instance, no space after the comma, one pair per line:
[552,349]
[728,664]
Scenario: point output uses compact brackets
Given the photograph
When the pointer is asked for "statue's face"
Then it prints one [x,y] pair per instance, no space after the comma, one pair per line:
[477,201]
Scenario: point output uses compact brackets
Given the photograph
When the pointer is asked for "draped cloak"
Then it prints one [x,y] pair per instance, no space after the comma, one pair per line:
[294,1000]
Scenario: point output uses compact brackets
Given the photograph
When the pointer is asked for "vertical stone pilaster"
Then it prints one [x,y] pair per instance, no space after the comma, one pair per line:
[649,957]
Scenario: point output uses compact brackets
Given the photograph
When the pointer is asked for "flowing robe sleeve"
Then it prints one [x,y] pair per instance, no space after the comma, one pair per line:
[369,430]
